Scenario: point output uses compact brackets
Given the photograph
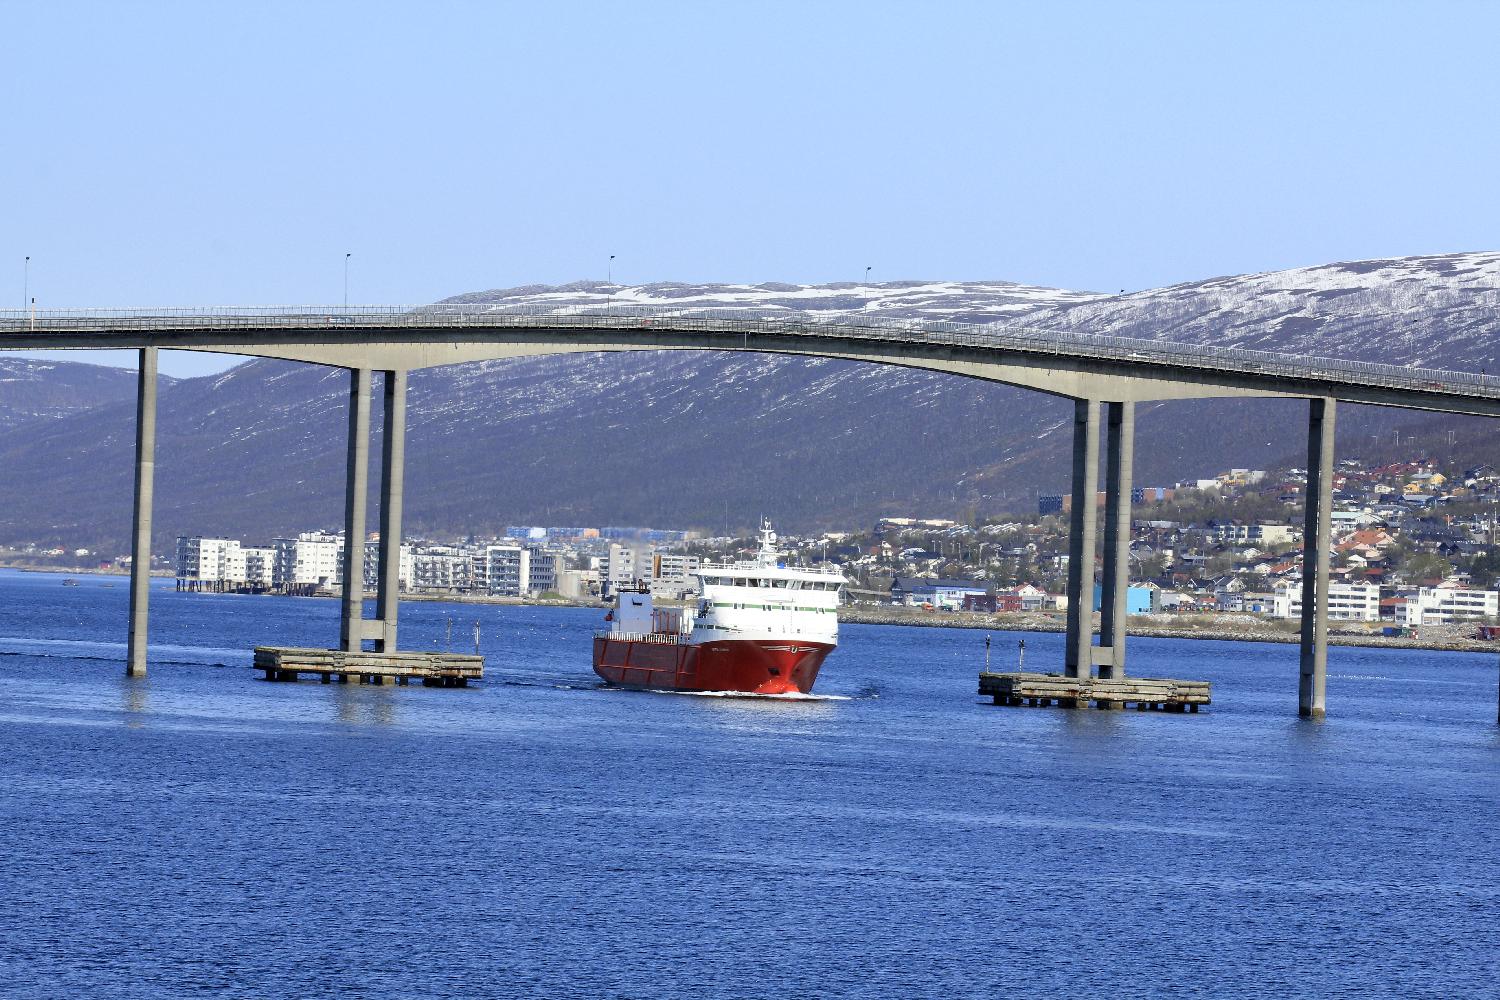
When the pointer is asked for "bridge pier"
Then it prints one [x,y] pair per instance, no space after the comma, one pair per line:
[355,629]
[1084,516]
[1113,604]
[145,482]
[392,479]
[356,484]
[1317,544]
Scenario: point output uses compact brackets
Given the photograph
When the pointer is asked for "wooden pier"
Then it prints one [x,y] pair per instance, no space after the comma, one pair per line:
[1145,693]
[282,663]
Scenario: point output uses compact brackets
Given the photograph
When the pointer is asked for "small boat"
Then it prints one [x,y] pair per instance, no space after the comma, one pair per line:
[70,582]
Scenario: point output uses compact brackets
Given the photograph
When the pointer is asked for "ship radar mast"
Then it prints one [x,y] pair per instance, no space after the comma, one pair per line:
[768,554]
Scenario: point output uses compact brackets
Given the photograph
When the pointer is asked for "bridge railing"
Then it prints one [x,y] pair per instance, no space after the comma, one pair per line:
[750,320]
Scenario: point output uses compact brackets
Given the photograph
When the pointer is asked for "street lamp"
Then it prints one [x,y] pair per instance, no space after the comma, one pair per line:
[867,275]
[346,282]
[610,274]
[26,285]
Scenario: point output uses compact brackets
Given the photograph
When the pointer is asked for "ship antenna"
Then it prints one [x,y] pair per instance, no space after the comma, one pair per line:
[767,542]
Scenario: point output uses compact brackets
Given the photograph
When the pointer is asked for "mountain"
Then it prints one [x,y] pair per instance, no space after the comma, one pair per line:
[46,390]
[707,439]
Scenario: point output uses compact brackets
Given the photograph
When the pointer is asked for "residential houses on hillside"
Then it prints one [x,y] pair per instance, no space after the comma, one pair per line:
[1413,545]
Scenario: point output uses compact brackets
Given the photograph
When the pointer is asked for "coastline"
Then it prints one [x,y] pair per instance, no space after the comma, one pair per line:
[1450,638]
[1226,627]
[74,571]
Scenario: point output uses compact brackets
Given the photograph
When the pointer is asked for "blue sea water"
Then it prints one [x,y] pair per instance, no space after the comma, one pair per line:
[204,833]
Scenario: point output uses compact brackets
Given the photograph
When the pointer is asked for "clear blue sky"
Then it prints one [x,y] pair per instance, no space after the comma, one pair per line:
[203,154]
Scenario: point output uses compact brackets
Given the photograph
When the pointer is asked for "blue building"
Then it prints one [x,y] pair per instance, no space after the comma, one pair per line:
[1137,599]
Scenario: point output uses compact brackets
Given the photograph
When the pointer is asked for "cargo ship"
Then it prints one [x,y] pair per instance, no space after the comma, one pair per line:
[760,627]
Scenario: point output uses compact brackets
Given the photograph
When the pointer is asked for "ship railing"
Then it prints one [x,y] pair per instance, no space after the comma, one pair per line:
[660,638]
[752,567]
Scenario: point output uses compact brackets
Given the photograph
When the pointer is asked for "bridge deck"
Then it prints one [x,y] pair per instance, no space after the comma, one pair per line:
[259,330]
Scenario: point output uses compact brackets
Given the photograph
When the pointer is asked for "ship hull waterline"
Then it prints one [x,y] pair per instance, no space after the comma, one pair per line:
[744,666]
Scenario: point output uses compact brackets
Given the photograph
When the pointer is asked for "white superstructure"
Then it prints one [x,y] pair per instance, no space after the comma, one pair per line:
[763,598]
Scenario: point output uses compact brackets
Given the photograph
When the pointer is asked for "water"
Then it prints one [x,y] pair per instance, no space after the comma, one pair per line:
[206,833]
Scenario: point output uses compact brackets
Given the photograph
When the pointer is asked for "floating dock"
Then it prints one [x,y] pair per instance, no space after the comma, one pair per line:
[1145,693]
[282,663]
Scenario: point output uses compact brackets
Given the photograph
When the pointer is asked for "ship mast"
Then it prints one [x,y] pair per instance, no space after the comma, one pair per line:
[768,554]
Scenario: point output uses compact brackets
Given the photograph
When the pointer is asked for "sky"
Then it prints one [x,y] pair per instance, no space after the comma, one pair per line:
[223,154]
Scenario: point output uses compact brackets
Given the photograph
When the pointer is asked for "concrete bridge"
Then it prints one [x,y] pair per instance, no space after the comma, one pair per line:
[1104,376]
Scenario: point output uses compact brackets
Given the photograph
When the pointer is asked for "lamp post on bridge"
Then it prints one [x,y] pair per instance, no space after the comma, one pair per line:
[346,281]
[26,284]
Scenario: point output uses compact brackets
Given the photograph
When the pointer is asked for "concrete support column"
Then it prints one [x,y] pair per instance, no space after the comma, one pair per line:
[1079,656]
[356,483]
[1317,544]
[145,481]
[1120,453]
[392,475]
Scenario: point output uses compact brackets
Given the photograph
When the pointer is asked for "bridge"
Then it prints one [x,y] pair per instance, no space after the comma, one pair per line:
[1104,376]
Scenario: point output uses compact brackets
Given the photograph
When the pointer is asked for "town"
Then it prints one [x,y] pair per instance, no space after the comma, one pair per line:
[1415,545]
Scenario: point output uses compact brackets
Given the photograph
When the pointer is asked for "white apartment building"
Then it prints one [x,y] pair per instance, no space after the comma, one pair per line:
[669,574]
[1254,534]
[442,567]
[507,570]
[516,571]
[210,561]
[312,559]
[1346,601]
[372,565]
[627,565]
[674,575]
[1446,605]
[260,566]
[223,563]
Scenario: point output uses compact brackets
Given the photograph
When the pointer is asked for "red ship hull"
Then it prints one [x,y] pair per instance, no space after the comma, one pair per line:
[751,666]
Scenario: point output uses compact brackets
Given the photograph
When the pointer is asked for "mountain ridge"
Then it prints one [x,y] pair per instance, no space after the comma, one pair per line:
[698,439]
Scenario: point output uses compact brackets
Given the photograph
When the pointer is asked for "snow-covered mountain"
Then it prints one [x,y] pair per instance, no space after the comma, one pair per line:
[703,439]
[961,301]
[1436,311]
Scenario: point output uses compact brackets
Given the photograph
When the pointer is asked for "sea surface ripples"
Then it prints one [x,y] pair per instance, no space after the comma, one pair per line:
[202,832]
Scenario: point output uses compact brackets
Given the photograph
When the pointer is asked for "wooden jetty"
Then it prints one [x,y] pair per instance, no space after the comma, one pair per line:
[1145,693]
[282,663]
